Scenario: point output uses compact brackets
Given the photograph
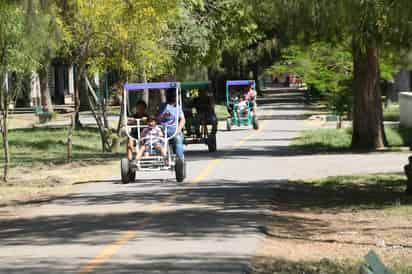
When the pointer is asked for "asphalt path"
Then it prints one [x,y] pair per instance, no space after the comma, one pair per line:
[211,223]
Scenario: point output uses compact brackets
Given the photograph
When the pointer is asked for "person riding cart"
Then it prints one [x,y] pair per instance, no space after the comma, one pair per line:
[236,97]
[199,109]
[172,118]
[158,140]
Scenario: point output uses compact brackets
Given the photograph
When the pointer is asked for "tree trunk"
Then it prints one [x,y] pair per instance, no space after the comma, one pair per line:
[368,129]
[4,100]
[45,90]
[5,133]
[101,120]
[70,138]
[75,117]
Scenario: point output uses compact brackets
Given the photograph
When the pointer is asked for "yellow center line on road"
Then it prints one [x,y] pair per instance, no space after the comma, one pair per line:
[214,163]
[108,252]
[126,236]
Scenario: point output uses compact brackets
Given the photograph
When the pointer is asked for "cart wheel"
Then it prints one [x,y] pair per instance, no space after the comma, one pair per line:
[211,143]
[229,124]
[255,123]
[132,176]
[180,169]
[125,170]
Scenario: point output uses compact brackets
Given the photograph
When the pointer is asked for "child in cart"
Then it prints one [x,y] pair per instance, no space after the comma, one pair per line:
[242,107]
[151,140]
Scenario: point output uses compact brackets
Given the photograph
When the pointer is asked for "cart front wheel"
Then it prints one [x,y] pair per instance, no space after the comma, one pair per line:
[255,123]
[211,143]
[180,169]
[125,170]
[229,124]
[132,175]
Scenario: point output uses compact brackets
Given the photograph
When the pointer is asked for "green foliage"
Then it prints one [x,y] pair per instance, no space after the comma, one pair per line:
[205,29]
[325,67]
[127,35]
[17,52]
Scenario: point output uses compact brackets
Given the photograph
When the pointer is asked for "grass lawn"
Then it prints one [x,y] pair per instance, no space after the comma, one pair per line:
[283,266]
[221,112]
[331,139]
[328,225]
[267,265]
[31,146]
[378,191]
[392,113]
[38,168]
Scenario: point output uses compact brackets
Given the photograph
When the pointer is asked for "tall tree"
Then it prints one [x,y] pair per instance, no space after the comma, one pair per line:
[370,25]
[102,34]
[18,55]
[40,16]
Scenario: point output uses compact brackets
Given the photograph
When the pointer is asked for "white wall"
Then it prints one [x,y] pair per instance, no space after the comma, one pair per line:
[405,101]
[403,80]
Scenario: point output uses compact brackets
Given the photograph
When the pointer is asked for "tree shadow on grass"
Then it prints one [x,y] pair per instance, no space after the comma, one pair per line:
[337,193]
[263,265]
[406,135]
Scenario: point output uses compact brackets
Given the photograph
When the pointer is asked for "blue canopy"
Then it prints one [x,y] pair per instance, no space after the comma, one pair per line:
[141,86]
[240,82]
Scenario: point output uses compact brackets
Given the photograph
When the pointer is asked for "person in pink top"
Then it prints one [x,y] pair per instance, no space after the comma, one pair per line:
[250,96]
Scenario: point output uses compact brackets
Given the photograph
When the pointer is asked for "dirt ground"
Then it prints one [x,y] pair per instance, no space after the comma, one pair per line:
[42,182]
[309,224]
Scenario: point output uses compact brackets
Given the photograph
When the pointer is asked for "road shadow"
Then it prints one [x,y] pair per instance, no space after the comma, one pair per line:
[218,209]
[223,208]
[187,263]
[278,151]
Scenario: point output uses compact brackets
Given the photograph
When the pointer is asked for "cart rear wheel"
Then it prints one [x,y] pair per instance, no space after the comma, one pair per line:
[229,124]
[255,123]
[211,143]
[180,170]
[125,170]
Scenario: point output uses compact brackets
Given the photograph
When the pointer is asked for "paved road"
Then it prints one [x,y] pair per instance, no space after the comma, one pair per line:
[209,224]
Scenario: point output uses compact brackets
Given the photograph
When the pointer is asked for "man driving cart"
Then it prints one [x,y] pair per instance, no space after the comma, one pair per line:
[169,117]
[159,140]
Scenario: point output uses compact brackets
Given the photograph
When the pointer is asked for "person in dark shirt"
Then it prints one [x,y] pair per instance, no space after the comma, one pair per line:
[205,108]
